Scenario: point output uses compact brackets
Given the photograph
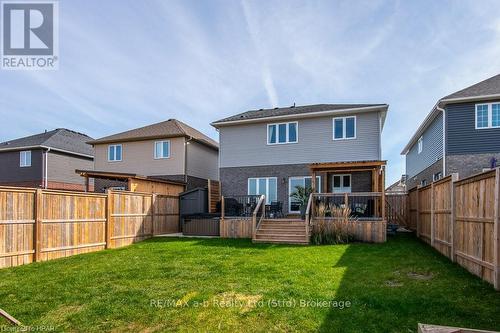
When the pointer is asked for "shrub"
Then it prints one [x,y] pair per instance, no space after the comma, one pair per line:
[334,229]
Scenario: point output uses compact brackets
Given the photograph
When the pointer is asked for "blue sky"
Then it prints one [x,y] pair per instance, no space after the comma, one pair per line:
[125,64]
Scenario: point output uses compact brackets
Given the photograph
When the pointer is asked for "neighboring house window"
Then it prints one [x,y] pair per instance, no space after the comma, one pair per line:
[282,133]
[420,144]
[162,149]
[267,186]
[344,128]
[437,176]
[25,158]
[487,115]
[293,182]
[423,182]
[114,153]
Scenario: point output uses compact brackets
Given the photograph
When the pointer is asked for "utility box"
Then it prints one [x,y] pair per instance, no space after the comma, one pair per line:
[193,202]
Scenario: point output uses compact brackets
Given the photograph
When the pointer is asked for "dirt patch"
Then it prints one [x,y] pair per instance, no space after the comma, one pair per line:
[393,283]
[420,276]
[242,302]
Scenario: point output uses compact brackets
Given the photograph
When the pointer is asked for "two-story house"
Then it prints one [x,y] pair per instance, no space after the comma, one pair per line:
[46,160]
[169,150]
[460,135]
[330,147]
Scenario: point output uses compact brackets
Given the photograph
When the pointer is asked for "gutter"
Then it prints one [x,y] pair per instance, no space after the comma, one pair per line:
[382,108]
[444,139]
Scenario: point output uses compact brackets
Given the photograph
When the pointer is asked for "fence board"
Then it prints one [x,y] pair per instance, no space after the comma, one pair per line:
[236,227]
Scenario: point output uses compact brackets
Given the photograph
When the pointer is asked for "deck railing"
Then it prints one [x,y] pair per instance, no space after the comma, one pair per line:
[363,205]
[239,205]
[258,215]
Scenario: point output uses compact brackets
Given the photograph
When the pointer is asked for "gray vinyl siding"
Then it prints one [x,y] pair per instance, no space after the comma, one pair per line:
[11,172]
[246,145]
[202,162]
[462,135]
[432,150]
[61,167]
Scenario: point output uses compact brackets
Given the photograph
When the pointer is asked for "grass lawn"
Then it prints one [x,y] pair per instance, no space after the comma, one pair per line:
[391,287]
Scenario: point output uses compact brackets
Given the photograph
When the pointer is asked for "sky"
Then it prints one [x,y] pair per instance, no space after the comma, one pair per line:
[125,64]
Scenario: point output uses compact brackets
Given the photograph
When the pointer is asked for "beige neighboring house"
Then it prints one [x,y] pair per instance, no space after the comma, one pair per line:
[169,150]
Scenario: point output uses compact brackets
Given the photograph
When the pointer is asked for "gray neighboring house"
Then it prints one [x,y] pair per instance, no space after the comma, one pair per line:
[46,160]
[460,135]
[169,150]
[271,151]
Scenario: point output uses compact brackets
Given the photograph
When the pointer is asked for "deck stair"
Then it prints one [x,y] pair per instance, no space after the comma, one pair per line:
[282,231]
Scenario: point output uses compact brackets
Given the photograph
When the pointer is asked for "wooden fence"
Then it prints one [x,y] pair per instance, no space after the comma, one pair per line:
[214,195]
[40,225]
[460,218]
[397,208]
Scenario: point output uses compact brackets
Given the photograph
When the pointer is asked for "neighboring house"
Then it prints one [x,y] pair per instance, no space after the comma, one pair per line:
[169,150]
[460,135]
[271,151]
[46,160]
[399,187]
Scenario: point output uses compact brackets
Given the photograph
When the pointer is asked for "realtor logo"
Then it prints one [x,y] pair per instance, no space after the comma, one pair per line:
[29,35]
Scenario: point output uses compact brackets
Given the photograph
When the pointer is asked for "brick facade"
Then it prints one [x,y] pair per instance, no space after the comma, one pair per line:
[234,181]
[427,175]
[469,164]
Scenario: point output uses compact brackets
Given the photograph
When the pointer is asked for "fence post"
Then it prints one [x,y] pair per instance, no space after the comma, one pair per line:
[222,206]
[454,178]
[496,233]
[154,215]
[37,234]
[418,211]
[433,215]
[109,207]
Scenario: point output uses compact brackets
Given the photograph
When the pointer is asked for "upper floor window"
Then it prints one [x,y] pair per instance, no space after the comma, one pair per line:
[487,115]
[114,153]
[344,128]
[420,144]
[162,149]
[25,158]
[282,133]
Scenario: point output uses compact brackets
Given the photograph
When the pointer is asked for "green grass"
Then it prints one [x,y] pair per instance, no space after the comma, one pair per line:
[391,287]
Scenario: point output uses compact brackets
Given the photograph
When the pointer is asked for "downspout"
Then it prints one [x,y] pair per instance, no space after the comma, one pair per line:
[443,111]
[46,168]
[186,142]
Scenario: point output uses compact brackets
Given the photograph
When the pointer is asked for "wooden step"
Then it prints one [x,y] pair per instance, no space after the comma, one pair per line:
[282,237]
[282,227]
[280,242]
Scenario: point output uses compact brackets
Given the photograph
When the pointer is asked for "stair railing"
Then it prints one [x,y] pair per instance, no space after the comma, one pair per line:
[308,215]
[258,215]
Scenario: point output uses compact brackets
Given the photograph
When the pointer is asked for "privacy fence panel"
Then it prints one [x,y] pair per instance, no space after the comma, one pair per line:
[39,225]
[166,216]
[475,225]
[397,209]
[461,219]
[71,223]
[17,226]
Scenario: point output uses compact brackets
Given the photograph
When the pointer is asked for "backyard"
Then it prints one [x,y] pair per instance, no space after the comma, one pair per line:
[165,284]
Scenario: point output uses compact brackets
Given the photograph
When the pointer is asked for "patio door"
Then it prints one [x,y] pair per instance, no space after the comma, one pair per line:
[341,183]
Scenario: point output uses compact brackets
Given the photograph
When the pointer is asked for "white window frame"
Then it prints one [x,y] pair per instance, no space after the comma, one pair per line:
[23,160]
[434,178]
[344,128]
[267,187]
[121,149]
[420,144]
[490,115]
[342,175]
[290,190]
[154,150]
[287,133]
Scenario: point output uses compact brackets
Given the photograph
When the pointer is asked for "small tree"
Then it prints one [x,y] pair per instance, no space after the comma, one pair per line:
[301,196]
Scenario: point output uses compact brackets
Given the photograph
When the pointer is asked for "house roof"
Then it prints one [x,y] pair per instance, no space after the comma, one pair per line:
[484,90]
[487,87]
[61,139]
[165,129]
[298,111]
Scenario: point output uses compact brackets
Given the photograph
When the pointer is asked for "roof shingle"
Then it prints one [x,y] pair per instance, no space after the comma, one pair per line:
[60,138]
[293,110]
[166,129]
[489,86]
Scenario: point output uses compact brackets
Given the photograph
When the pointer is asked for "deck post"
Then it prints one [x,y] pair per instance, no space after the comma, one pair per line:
[382,189]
